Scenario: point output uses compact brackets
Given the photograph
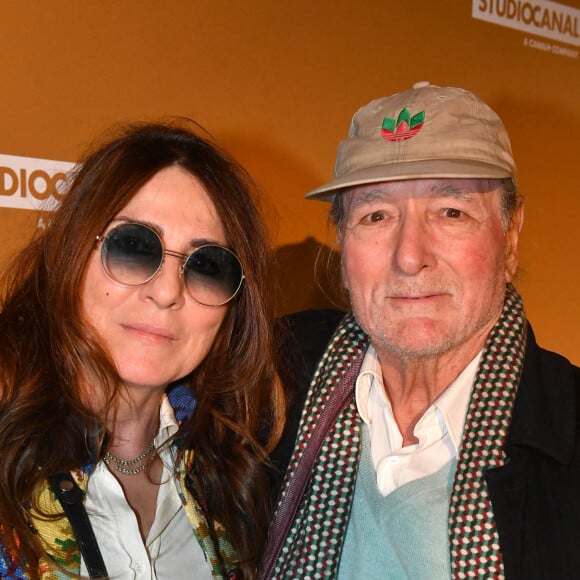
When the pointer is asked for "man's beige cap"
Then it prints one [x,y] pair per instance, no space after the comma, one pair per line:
[425,132]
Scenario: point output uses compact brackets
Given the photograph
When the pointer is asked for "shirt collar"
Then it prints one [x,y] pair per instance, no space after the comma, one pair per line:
[452,403]
[370,374]
[168,425]
[454,400]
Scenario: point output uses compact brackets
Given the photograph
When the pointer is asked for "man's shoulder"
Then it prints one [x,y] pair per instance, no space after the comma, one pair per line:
[553,359]
[547,407]
[321,321]
[302,338]
[547,364]
[309,330]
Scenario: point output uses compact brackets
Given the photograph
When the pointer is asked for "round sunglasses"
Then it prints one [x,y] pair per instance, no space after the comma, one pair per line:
[132,254]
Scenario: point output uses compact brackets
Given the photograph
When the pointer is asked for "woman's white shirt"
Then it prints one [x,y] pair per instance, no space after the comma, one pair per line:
[171,550]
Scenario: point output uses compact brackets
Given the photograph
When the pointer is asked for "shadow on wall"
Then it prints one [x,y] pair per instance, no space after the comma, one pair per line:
[306,276]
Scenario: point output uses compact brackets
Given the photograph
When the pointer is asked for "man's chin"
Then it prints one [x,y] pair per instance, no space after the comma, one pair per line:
[418,339]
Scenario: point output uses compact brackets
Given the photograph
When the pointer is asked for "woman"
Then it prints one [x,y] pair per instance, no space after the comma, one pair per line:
[135,355]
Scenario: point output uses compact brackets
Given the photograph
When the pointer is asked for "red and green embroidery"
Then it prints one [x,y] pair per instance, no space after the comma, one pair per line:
[403,127]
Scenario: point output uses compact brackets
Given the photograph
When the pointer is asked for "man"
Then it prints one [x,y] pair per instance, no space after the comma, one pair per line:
[437,439]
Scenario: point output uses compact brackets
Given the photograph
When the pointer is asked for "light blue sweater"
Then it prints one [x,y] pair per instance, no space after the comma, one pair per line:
[402,536]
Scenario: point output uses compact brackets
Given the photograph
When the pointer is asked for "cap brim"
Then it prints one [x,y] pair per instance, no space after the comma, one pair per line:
[425,169]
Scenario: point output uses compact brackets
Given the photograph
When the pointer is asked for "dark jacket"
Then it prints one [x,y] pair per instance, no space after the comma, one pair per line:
[536,494]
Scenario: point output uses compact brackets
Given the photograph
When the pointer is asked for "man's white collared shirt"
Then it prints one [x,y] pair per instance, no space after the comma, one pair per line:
[439,430]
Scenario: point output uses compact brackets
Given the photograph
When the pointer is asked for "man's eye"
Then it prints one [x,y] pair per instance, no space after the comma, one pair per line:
[375,217]
[451,212]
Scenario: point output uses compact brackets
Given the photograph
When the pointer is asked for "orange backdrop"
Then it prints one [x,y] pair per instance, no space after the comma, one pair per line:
[277,83]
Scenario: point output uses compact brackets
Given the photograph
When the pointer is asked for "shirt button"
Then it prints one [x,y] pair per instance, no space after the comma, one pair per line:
[393,459]
[139,568]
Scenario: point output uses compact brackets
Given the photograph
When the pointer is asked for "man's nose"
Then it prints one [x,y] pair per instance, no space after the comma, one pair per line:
[413,246]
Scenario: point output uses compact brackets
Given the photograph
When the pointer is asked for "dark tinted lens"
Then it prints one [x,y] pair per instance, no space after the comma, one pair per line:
[212,275]
[131,254]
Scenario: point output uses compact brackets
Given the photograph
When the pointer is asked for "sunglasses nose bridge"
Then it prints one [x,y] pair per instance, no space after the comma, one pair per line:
[178,255]
[182,257]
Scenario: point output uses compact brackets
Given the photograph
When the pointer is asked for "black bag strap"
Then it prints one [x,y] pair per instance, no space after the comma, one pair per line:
[71,498]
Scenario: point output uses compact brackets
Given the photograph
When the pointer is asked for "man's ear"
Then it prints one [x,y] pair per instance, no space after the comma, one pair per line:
[339,240]
[343,276]
[512,238]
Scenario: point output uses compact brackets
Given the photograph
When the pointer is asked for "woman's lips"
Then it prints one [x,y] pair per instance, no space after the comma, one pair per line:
[150,333]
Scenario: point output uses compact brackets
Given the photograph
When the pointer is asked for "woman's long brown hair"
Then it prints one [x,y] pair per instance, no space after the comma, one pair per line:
[49,356]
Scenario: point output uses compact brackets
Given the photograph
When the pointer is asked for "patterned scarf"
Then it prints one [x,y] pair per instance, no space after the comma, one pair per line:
[316,524]
[473,535]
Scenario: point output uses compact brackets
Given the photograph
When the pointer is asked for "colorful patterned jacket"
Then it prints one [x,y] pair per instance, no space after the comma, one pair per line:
[59,538]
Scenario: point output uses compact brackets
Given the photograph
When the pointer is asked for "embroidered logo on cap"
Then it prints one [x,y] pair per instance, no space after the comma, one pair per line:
[404,127]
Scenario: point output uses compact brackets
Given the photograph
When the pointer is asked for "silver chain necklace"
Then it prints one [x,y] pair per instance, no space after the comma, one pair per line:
[134,466]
